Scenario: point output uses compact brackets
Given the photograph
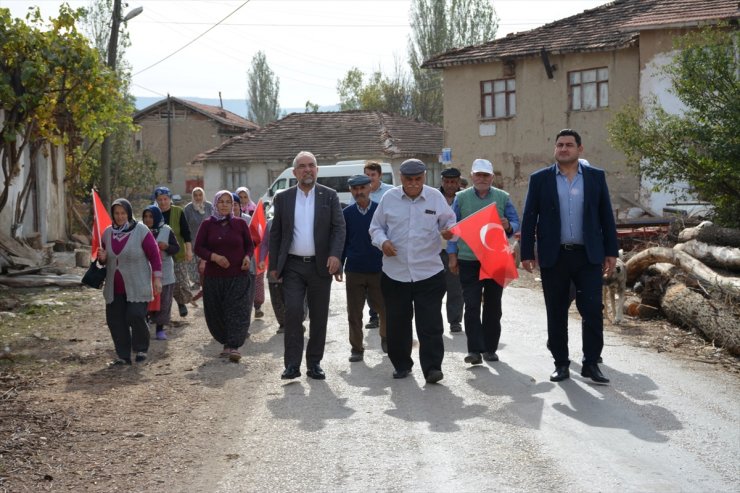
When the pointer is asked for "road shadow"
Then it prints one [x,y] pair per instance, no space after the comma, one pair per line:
[613,407]
[498,379]
[105,378]
[312,404]
[434,404]
[215,371]
[374,379]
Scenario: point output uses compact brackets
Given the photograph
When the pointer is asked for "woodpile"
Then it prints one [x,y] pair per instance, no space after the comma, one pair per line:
[695,284]
[23,265]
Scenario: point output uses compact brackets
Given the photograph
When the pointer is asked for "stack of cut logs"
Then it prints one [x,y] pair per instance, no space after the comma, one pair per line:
[695,284]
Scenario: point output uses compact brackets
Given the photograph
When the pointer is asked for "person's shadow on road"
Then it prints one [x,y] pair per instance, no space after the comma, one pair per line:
[614,409]
[522,406]
[434,404]
[312,410]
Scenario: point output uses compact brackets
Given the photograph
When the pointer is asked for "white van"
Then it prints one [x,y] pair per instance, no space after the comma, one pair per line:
[331,175]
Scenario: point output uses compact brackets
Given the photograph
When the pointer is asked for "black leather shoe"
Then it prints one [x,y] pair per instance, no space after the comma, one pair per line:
[183,310]
[434,376]
[592,371]
[314,371]
[560,374]
[373,323]
[473,358]
[490,356]
[355,356]
[401,373]
[291,372]
[456,327]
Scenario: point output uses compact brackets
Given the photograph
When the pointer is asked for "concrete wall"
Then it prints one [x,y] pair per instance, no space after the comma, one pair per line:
[525,142]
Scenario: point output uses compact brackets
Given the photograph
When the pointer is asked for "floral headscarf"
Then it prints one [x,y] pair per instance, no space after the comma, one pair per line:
[216,216]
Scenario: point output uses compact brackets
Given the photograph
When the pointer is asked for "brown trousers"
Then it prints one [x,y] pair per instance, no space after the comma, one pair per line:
[359,285]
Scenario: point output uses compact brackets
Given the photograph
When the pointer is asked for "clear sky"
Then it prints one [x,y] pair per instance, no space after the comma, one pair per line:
[309,44]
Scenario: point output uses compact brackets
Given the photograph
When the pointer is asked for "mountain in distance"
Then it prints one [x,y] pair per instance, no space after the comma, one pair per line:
[237,106]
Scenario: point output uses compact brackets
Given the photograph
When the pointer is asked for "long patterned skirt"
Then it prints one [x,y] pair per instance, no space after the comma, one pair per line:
[226,307]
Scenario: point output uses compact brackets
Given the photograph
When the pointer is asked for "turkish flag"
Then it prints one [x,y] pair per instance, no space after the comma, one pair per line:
[257,228]
[485,236]
[100,222]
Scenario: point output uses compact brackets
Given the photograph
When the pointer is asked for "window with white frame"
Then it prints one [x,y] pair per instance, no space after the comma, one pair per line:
[498,98]
[589,89]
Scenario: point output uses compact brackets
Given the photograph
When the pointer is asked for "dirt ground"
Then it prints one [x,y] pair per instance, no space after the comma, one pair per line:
[68,423]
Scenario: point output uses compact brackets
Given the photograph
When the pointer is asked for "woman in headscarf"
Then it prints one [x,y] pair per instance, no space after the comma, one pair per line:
[245,202]
[225,244]
[134,269]
[174,217]
[168,246]
[249,207]
[195,212]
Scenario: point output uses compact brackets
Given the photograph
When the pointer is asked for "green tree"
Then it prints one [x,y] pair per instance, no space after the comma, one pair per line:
[263,90]
[380,93]
[130,174]
[311,107]
[701,146]
[438,26]
[54,88]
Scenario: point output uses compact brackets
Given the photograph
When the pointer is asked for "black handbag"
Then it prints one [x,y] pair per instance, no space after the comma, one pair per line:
[95,275]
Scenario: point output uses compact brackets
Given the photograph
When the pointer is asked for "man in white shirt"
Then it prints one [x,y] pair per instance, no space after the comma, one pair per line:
[306,243]
[406,227]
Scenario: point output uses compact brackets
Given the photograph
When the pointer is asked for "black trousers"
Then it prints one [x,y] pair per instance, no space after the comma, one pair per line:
[128,327]
[483,333]
[301,280]
[402,301]
[573,266]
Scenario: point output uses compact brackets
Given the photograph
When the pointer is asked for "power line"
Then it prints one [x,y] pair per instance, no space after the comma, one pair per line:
[195,39]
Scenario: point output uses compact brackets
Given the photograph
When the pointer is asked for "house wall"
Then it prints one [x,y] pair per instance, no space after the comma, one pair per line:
[46,214]
[192,133]
[656,52]
[521,144]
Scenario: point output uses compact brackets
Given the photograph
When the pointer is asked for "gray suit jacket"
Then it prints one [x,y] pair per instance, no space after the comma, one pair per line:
[328,232]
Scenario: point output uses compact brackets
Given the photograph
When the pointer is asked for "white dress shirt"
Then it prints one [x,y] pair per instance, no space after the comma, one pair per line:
[413,226]
[303,242]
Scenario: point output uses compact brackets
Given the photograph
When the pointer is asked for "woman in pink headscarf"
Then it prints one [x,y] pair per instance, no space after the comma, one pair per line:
[247,206]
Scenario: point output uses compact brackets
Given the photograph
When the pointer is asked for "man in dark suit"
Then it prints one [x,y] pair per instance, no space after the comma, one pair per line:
[306,243]
[569,211]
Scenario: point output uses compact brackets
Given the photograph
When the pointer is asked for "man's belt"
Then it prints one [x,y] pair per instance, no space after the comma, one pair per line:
[302,259]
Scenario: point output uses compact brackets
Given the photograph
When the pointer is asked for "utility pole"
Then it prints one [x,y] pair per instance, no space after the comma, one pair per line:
[105,150]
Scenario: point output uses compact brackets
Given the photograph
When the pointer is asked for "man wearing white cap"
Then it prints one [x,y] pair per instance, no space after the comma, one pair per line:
[406,227]
[483,332]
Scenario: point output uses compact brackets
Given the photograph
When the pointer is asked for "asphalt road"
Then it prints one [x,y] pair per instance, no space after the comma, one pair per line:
[663,425]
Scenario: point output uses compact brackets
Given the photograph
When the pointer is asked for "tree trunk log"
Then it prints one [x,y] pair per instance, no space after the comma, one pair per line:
[637,264]
[715,256]
[66,280]
[709,233]
[715,321]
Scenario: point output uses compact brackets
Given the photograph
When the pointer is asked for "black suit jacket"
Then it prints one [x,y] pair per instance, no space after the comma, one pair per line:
[542,217]
[328,232]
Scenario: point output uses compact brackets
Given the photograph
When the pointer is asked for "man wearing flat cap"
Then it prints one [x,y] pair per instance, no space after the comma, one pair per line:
[450,187]
[483,330]
[363,265]
[406,227]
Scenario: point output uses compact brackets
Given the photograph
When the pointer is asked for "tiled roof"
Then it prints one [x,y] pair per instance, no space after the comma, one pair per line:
[684,13]
[333,136]
[221,115]
[607,27]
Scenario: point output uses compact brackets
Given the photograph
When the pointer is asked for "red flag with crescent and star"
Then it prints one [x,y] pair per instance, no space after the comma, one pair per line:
[257,228]
[100,222]
[485,236]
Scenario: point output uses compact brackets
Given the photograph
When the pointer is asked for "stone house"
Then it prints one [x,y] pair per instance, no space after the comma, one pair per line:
[255,159]
[506,99]
[173,131]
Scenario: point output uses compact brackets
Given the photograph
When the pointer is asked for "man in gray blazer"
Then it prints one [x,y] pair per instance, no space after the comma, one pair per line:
[306,243]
